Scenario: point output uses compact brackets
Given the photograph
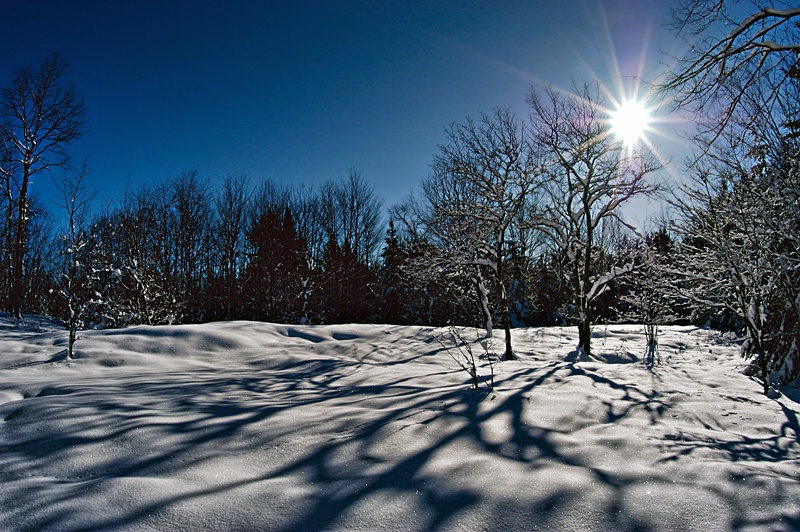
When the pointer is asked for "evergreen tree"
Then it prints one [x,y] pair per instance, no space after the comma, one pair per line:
[521,288]
[392,283]
[277,268]
[348,288]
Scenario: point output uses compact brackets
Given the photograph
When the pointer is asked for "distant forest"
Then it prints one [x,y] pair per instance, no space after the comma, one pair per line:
[185,251]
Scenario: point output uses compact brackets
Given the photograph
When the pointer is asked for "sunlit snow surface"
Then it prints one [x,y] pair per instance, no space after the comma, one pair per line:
[252,426]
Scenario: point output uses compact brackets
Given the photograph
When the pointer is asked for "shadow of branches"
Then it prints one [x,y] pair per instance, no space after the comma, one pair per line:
[349,438]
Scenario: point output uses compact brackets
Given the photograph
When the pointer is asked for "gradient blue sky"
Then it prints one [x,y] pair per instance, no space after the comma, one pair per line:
[299,92]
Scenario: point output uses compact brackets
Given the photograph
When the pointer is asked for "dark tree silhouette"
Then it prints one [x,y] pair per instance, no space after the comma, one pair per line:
[41,115]
[276,269]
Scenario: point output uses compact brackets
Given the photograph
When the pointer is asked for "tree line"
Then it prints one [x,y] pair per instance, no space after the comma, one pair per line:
[185,252]
[470,250]
[519,222]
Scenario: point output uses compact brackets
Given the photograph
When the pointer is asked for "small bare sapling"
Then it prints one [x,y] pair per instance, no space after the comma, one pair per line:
[463,353]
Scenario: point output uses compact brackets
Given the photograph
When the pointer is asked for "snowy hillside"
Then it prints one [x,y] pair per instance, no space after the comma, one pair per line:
[240,425]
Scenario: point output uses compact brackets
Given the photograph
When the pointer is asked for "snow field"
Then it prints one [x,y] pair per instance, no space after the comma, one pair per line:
[247,426]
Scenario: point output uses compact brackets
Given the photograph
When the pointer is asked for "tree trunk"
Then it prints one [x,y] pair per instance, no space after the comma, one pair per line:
[585,334]
[483,294]
[8,243]
[509,355]
[506,314]
[18,259]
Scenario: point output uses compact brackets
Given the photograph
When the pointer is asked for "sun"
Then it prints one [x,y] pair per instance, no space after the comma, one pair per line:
[630,121]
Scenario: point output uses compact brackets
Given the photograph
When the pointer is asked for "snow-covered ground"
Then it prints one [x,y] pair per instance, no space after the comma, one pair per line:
[253,426]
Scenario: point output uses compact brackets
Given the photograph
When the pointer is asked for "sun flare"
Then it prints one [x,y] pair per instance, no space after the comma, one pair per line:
[630,121]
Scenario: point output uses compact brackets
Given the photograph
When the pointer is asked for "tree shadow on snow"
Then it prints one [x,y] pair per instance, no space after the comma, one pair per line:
[189,420]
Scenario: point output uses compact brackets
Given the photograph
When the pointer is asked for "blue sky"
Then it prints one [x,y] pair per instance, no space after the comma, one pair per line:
[299,92]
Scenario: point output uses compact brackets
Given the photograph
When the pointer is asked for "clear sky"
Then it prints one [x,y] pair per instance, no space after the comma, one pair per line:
[300,91]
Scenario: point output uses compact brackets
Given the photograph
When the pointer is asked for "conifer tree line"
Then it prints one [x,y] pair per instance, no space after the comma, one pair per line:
[520,221]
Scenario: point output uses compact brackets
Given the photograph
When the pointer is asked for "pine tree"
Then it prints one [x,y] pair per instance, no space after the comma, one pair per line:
[277,268]
[348,287]
[392,283]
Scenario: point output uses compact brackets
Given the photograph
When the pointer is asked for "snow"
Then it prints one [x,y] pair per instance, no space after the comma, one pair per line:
[254,426]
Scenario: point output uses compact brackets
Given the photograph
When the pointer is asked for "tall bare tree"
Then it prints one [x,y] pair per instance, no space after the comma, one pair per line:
[41,115]
[591,175]
[483,177]
[231,209]
[192,203]
[7,220]
[351,212]
[740,223]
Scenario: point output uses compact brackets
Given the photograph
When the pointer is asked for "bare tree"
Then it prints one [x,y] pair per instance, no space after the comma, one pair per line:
[440,291]
[733,48]
[309,226]
[648,296]
[591,176]
[192,204]
[77,274]
[739,247]
[483,177]
[9,207]
[305,204]
[351,213]
[38,258]
[231,209]
[41,115]
[142,250]
[464,355]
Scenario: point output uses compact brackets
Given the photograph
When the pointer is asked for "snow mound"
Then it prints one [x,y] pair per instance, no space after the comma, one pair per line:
[262,345]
